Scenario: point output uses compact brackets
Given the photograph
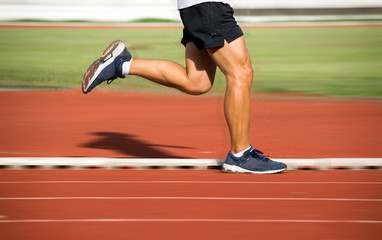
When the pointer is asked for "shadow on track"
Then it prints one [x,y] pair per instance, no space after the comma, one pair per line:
[129,145]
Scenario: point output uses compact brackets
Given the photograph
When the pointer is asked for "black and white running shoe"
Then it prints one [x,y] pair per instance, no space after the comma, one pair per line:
[108,67]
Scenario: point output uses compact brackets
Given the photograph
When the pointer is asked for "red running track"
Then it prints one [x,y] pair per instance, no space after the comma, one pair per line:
[189,204]
[154,125]
[186,204]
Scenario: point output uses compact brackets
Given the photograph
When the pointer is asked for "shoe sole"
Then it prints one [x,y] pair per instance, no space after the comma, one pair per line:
[108,56]
[236,169]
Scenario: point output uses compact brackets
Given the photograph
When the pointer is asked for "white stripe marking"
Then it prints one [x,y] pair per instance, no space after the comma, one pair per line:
[196,198]
[324,163]
[176,182]
[192,220]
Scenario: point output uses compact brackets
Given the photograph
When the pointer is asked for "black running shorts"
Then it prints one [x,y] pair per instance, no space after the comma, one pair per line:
[208,24]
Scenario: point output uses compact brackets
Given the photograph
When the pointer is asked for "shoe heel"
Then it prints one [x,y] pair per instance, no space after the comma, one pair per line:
[108,53]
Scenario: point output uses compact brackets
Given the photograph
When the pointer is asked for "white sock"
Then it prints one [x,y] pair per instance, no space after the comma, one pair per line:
[239,154]
[126,67]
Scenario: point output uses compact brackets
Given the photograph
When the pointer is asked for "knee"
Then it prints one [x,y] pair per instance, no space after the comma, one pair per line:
[198,85]
[241,78]
[199,88]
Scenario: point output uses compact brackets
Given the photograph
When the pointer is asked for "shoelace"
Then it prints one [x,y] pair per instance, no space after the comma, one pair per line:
[110,80]
[259,155]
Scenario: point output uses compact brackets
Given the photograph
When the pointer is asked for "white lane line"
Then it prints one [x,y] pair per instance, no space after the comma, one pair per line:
[197,198]
[193,220]
[322,163]
[176,182]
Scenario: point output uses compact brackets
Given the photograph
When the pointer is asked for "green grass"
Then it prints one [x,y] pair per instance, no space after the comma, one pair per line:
[333,20]
[140,20]
[330,61]
[154,20]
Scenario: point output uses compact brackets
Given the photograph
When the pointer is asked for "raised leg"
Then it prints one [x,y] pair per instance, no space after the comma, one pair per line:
[196,78]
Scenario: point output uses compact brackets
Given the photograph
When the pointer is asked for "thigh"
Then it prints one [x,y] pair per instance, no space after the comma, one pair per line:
[199,65]
[232,58]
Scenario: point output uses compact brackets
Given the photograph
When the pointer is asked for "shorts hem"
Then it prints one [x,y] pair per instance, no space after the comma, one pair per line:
[207,25]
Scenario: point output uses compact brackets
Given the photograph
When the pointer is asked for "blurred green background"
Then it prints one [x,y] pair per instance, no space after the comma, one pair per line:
[326,61]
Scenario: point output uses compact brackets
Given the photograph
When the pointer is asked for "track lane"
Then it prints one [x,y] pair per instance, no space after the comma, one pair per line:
[190,231]
[190,209]
[188,175]
[259,190]
[190,218]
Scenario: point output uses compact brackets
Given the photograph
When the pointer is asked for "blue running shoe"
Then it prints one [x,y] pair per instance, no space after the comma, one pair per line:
[252,161]
[106,68]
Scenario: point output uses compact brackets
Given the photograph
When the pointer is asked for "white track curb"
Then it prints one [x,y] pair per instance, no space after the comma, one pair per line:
[176,163]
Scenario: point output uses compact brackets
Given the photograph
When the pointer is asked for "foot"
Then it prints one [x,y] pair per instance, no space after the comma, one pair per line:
[106,68]
[252,161]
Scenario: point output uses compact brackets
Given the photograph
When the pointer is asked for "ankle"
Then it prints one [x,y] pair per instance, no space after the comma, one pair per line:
[240,152]
[125,67]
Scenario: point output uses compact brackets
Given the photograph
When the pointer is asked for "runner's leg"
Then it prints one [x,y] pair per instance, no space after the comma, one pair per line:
[196,78]
[234,61]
